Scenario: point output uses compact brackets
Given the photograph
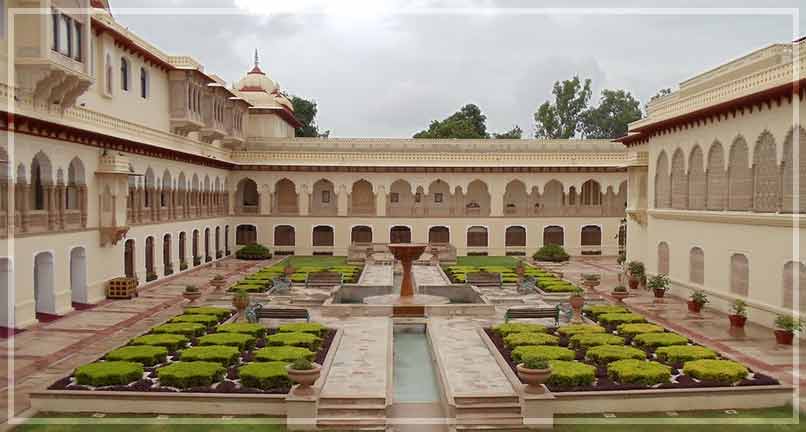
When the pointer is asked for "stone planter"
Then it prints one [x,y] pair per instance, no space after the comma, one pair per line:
[218,284]
[192,296]
[737,321]
[694,307]
[619,295]
[784,337]
[305,379]
[534,378]
[240,304]
[577,301]
[659,293]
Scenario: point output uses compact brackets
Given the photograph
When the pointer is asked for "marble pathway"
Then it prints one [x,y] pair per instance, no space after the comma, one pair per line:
[360,368]
[428,275]
[377,275]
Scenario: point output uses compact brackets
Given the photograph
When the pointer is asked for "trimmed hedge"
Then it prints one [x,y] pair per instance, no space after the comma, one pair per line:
[574,329]
[566,374]
[306,340]
[185,329]
[265,376]
[541,352]
[654,340]
[636,329]
[220,313]
[171,342]
[721,371]
[508,328]
[255,330]
[283,353]
[243,342]
[253,252]
[559,288]
[640,372]
[186,374]
[207,320]
[596,310]
[683,353]
[143,354]
[249,287]
[519,339]
[225,355]
[315,328]
[604,354]
[108,373]
[587,340]
[550,252]
[614,319]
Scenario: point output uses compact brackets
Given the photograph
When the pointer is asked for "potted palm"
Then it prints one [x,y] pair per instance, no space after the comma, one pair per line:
[696,301]
[637,274]
[739,315]
[191,293]
[659,284]
[305,373]
[785,328]
[619,293]
[534,372]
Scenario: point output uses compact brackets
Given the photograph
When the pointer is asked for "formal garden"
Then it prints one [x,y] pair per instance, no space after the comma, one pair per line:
[297,269]
[509,270]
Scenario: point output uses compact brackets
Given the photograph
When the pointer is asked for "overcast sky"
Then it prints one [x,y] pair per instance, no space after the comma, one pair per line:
[376,72]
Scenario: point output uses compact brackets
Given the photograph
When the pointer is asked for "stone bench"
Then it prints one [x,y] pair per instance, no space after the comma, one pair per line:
[533,312]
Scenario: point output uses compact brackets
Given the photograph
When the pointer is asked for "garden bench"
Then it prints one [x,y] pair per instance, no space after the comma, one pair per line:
[484,279]
[323,279]
[262,312]
[533,312]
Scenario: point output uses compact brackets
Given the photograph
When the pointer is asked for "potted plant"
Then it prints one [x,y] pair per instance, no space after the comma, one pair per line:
[305,373]
[218,281]
[659,284]
[619,293]
[151,276]
[591,280]
[240,301]
[637,274]
[169,269]
[696,301]
[191,293]
[534,372]
[577,300]
[785,328]
[183,265]
[739,315]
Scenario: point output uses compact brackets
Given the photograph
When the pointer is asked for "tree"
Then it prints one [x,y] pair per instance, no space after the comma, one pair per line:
[616,110]
[661,93]
[561,119]
[305,111]
[514,133]
[466,123]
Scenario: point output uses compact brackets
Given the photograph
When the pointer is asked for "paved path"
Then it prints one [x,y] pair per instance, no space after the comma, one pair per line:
[361,366]
[377,275]
[47,352]
[469,366]
[425,275]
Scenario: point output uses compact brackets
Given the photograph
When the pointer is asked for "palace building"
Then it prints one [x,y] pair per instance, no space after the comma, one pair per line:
[121,159]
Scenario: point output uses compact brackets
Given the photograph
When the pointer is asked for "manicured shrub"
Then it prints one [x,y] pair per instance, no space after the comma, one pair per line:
[225,355]
[604,354]
[541,352]
[108,373]
[255,330]
[186,374]
[573,329]
[566,374]
[640,372]
[143,354]
[186,329]
[641,328]
[551,252]
[208,320]
[519,339]
[283,353]
[265,376]
[243,342]
[587,340]
[171,342]
[306,340]
[508,328]
[654,340]
[614,319]
[249,287]
[596,310]
[559,288]
[683,353]
[220,313]
[315,328]
[721,371]
[253,252]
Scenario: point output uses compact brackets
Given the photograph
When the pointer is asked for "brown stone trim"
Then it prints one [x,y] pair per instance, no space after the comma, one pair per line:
[424,169]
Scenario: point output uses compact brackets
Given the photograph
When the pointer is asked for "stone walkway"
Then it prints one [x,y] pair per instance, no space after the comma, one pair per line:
[470,368]
[47,352]
[361,366]
[425,275]
[377,275]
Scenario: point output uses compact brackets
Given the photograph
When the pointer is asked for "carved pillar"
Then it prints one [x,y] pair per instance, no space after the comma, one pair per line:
[380,201]
[50,206]
[61,205]
[303,201]
[82,204]
[496,200]
[23,195]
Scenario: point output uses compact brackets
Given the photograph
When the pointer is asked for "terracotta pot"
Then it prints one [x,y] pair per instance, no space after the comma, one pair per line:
[619,295]
[633,282]
[305,378]
[577,301]
[240,303]
[659,293]
[534,378]
[694,306]
[737,321]
[784,337]
[192,296]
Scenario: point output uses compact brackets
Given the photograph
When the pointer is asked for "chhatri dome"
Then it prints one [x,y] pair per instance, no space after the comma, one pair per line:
[260,90]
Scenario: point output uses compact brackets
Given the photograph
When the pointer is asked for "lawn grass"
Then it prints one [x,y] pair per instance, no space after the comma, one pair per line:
[149,423]
[483,261]
[316,261]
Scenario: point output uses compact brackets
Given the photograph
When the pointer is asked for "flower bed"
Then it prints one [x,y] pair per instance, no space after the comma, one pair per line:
[203,355]
[620,352]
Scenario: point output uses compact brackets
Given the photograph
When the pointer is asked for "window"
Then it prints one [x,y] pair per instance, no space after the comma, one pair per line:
[64,34]
[663,258]
[418,197]
[438,197]
[55,30]
[697,266]
[124,74]
[77,39]
[143,83]
[326,196]
[394,197]
[739,275]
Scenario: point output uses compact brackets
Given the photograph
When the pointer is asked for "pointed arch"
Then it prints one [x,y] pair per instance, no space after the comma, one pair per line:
[696,180]
[740,177]
[662,190]
[716,181]
[766,187]
[679,181]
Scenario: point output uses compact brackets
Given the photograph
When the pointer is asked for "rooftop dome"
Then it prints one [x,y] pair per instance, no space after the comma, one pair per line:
[260,90]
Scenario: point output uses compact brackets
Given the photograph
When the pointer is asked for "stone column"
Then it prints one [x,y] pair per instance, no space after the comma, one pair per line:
[341,200]
[264,201]
[380,201]
[303,201]
[61,205]
[24,194]
[82,204]
[50,206]
[496,200]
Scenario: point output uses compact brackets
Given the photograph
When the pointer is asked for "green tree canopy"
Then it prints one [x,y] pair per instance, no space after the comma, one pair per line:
[561,118]
[305,111]
[616,110]
[468,122]
[514,133]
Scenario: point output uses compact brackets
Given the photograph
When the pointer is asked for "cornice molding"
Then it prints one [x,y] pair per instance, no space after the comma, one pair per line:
[729,217]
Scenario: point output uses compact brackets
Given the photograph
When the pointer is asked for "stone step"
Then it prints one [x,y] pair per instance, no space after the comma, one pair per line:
[482,409]
[485,400]
[351,423]
[351,411]
[329,400]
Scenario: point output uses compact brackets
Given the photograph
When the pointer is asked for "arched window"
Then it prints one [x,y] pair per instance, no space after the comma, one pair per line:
[323,235]
[124,74]
[515,236]
[716,179]
[245,235]
[740,177]
[696,180]
[553,235]
[361,234]
[439,235]
[662,190]
[150,273]
[75,179]
[765,175]
[663,258]
[41,176]
[739,274]
[591,235]
[144,90]
[696,266]
[400,234]
[790,170]
[791,269]
[247,196]
[284,235]
[477,236]
[182,247]
[591,193]
[679,181]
